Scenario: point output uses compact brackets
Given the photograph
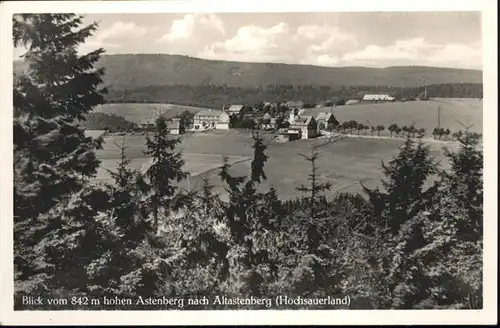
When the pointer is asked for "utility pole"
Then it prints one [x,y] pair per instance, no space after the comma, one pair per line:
[439,116]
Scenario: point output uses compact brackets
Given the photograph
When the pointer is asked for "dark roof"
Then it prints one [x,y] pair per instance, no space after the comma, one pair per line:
[324,116]
[235,108]
[302,121]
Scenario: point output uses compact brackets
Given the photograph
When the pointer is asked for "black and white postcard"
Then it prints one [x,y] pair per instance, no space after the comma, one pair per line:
[248,163]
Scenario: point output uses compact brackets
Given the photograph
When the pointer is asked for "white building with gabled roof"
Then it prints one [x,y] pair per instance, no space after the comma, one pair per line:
[377,98]
[211,119]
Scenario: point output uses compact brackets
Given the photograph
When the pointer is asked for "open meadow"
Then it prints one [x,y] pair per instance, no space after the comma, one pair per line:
[424,114]
[140,112]
[344,163]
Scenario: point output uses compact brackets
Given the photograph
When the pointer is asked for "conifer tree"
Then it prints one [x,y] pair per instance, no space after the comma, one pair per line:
[53,155]
[259,159]
[397,214]
[252,218]
[125,201]
[316,188]
[312,267]
[53,159]
[166,169]
[406,175]
[199,263]
[456,227]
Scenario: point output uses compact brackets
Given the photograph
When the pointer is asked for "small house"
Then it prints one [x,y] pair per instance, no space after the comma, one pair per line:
[148,125]
[288,135]
[305,124]
[326,121]
[267,122]
[175,126]
[235,110]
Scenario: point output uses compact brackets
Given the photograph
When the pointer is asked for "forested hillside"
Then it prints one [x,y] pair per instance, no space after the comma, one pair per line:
[135,71]
[215,96]
[206,83]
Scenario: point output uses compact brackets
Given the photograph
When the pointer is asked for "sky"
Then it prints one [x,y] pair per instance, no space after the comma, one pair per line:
[373,39]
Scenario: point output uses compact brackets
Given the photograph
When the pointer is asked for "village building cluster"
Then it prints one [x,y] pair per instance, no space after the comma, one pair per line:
[291,121]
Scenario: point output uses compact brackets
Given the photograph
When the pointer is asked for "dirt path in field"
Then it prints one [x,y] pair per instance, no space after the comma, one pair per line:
[218,166]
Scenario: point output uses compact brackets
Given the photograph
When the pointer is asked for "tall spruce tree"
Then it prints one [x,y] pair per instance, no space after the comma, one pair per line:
[311,272]
[251,218]
[165,171]
[404,192]
[398,220]
[455,229]
[53,159]
[53,156]
[316,188]
[465,182]
[125,200]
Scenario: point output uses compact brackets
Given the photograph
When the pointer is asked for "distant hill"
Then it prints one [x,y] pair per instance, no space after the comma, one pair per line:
[133,71]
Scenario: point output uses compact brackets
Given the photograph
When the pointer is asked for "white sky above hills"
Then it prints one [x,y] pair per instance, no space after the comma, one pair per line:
[444,39]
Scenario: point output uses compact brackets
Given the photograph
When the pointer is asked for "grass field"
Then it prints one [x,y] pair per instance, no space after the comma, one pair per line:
[138,113]
[424,114]
[344,163]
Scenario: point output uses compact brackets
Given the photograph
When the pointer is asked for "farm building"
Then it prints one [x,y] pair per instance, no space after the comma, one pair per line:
[175,126]
[214,119]
[288,135]
[235,110]
[305,124]
[267,122]
[148,125]
[294,104]
[377,98]
[326,121]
